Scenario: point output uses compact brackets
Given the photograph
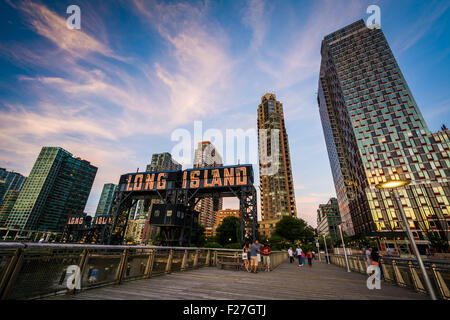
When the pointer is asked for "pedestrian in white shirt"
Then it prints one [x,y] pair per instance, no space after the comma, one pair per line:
[298,252]
[291,255]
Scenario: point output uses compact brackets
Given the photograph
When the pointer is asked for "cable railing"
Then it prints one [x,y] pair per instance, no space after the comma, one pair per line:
[37,270]
[403,272]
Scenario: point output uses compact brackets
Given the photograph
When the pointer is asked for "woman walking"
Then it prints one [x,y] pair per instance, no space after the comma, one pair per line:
[245,251]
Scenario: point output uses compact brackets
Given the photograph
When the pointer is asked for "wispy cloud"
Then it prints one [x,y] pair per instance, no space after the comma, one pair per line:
[422,26]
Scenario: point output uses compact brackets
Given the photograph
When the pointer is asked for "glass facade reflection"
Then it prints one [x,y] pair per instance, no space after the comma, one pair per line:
[374,133]
[58,185]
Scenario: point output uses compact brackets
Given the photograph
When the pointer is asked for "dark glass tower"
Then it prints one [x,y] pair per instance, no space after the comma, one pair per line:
[374,132]
[106,199]
[58,185]
[9,181]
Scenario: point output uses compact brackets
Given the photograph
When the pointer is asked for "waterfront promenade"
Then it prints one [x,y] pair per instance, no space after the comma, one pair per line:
[286,282]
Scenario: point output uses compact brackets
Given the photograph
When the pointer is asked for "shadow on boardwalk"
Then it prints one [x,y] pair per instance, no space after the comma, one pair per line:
[287,282]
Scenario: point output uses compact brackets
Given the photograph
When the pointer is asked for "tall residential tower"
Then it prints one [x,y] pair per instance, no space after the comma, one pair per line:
[277,188]
[374,132]
[206,155]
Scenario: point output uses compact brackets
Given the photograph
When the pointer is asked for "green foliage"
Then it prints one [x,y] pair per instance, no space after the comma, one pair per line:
[198,238]
[294,229]
[277,242]
[229,231]
[212,245]
[236,245]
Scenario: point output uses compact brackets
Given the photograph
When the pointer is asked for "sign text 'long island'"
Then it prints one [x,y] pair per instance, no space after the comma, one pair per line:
[209,177]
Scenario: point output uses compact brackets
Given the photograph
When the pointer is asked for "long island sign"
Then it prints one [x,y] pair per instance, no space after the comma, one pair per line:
[209,177]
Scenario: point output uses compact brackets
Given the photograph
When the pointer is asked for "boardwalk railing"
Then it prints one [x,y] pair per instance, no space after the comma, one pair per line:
[35,270]
[404,272]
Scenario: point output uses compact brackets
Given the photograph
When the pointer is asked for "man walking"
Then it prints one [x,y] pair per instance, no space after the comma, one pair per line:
[254,248]
[266,257]
[291,255]
[298,252]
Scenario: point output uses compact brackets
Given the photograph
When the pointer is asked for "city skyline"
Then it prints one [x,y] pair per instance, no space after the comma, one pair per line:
[73,102]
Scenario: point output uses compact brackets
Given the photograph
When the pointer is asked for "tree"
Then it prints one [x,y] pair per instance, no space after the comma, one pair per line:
[198,238]
[229,231]
[294,229]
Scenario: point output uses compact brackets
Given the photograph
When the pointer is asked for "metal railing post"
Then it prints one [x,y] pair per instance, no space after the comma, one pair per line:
[196,259]
[208,257]
[183,262]
[11,273]
[169,261]
[445,293]
[122,267]
[398,276]
[149,266]
[416,279]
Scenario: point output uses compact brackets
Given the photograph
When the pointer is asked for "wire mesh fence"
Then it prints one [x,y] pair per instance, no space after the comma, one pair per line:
[403,272]
[33,270]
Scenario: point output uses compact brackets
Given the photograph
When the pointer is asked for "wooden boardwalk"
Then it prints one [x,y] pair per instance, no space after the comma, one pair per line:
[287,282]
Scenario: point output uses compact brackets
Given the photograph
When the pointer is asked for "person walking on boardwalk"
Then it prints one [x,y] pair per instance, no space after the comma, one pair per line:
[375,257]
[291,255]
[369,256]
[303,257]
[298,253]
[309,255]
[245,251]
[266,257]
[259,253]
[254,248]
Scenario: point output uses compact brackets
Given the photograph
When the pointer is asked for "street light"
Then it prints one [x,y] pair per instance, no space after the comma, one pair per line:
[343,245]
[326,249]
[391,186]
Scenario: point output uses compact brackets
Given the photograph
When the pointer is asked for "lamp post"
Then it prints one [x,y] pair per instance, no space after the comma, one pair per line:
[326,250]
[391,186]
[343,245]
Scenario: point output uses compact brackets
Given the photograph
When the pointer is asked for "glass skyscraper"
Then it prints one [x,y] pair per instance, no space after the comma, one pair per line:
[9,181]
[374,132]
[106,199]
[58,185]
[328,218]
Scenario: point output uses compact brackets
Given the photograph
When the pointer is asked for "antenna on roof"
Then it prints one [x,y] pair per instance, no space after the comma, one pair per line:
[137,170]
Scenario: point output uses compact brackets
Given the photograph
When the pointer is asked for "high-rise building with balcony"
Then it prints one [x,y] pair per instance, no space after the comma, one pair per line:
[163,161]
[277,188]
[106,199]
[328,218]
[374,132]
[9,180]
[206,155]
[58,185]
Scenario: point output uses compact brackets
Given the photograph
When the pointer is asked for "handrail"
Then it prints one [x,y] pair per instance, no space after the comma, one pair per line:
[403,272]
[97,246]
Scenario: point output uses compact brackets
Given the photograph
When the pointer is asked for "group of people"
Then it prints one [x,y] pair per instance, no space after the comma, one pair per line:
[251,255]
[301,255]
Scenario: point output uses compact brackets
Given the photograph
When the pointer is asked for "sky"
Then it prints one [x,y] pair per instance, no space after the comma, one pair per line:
[137,72]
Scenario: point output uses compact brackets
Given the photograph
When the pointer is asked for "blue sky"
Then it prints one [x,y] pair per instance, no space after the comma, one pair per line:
[114,91]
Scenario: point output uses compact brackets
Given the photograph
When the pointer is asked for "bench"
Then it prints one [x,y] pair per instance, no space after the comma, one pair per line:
[228,260]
